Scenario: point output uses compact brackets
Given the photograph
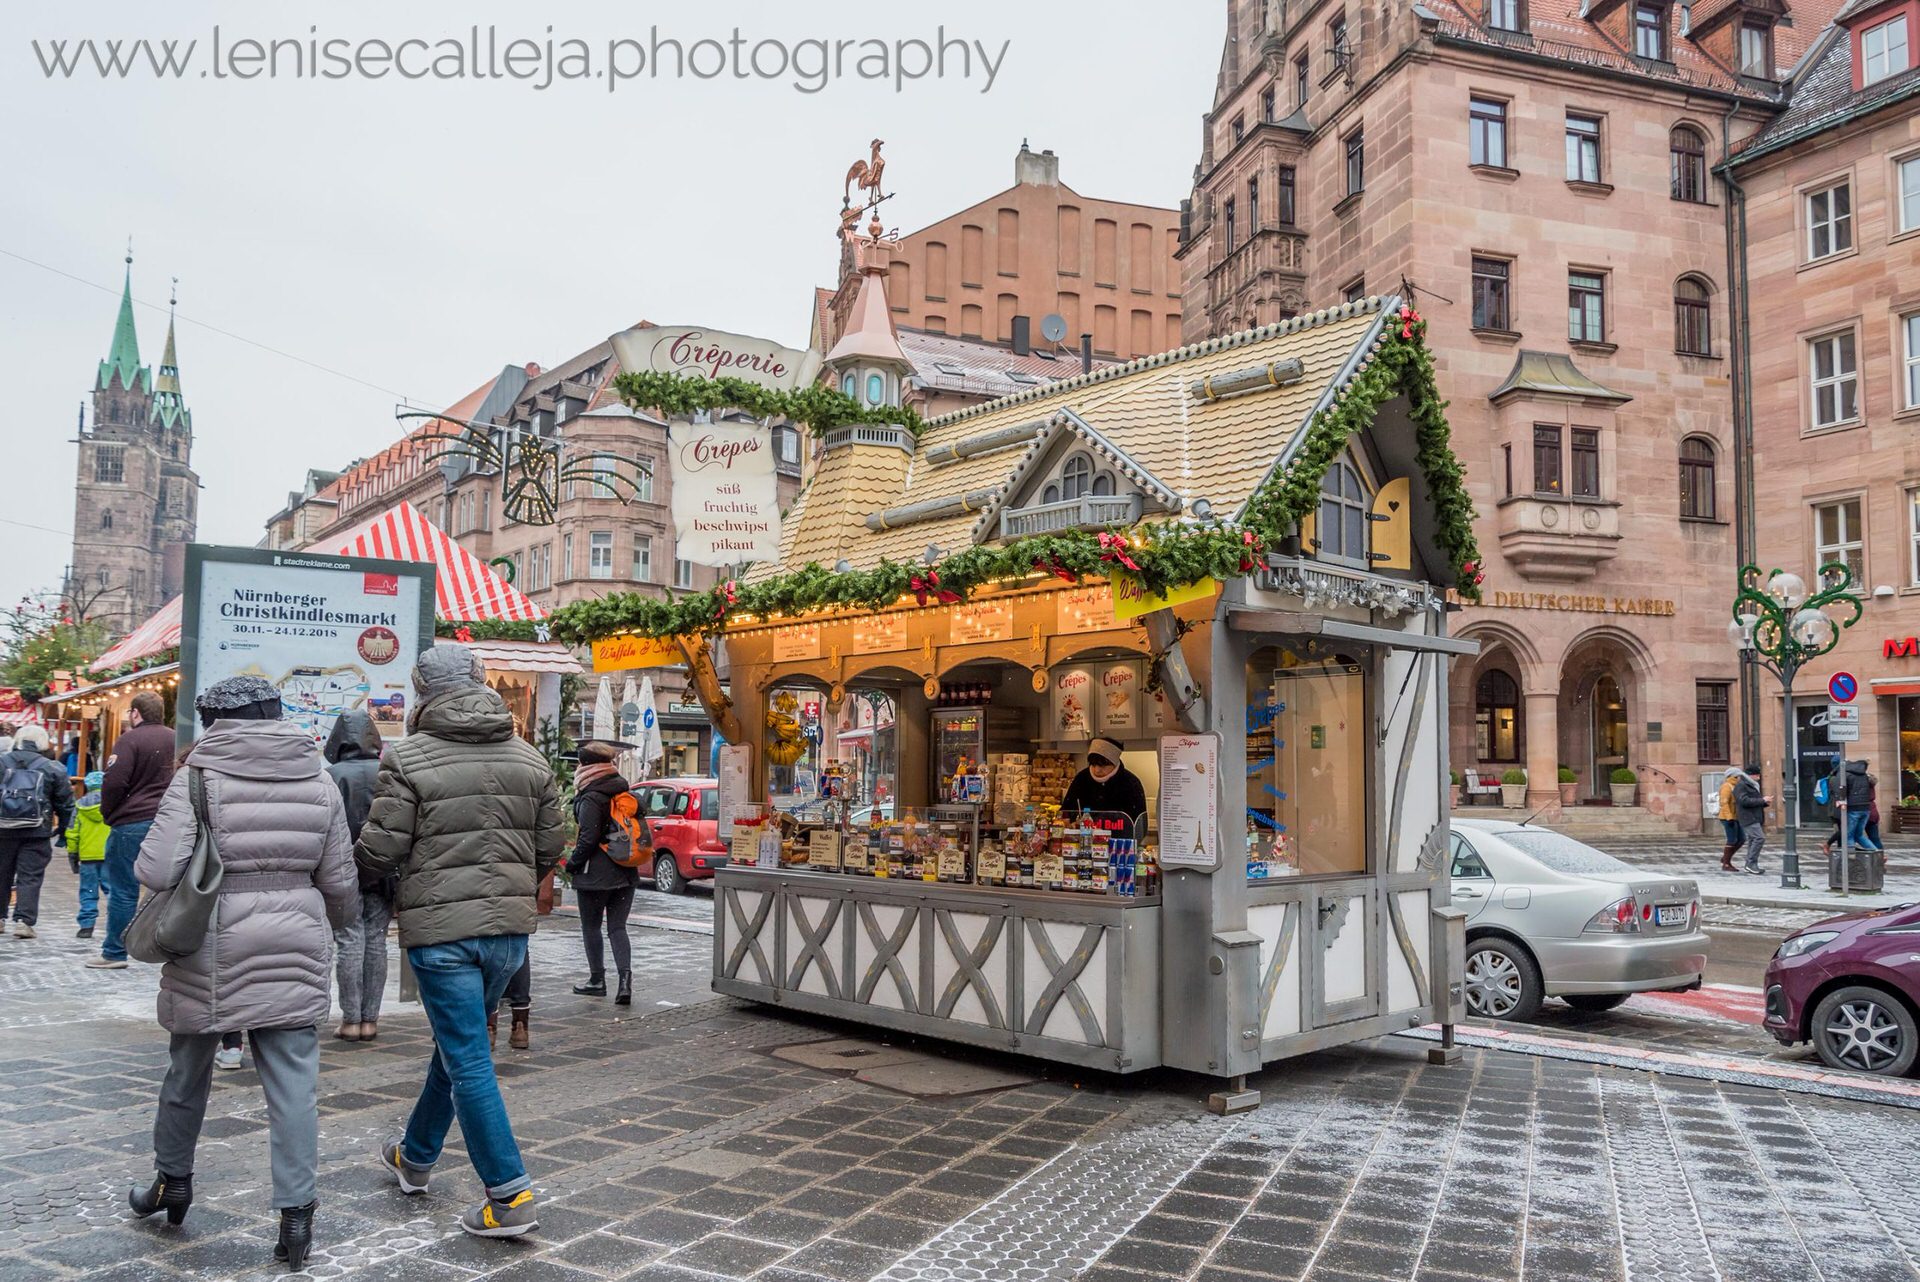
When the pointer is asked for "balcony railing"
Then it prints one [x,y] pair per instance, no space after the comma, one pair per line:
[1090,512]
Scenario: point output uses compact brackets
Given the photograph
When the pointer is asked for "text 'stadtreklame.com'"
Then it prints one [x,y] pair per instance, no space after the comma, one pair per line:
[809,65]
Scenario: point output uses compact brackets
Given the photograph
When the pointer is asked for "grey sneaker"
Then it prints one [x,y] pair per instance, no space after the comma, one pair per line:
[106,963]
[227,1057]
[494,1218]
[413,1179]
[21,930]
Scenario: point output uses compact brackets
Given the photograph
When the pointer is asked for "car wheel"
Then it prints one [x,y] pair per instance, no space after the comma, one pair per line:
[666,875]
[1502,980]
[1865,1029]
[1594,1003]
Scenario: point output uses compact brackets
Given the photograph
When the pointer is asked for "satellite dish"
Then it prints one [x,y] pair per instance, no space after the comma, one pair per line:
[1054,327]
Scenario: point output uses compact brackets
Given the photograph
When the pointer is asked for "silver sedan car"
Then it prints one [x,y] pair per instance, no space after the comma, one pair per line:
[1548,916]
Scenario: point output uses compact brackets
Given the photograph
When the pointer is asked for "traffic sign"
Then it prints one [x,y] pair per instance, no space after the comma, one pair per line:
[1843,723]
[1841,687]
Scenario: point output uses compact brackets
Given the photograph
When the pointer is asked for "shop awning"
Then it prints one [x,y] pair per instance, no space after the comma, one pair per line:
[142,677]
[525,656]
[161,632]
[27,716]
[1894,685]
[1303,624]
[468,588]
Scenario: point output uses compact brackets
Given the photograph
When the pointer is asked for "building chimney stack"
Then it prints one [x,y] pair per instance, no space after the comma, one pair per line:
[1023,336]
[1037,169]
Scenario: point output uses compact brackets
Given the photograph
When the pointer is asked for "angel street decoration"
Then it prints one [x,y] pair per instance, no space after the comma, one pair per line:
[533,471]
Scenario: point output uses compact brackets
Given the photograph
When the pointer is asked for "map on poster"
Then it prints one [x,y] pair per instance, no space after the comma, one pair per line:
[332,633]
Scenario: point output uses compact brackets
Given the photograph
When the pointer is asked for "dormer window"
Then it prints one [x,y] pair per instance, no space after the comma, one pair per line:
[876,389]
[1756,49]
[1650,31]
[1076,478]
[1340,532]
[848,385]
[1883,50]
[1506,15]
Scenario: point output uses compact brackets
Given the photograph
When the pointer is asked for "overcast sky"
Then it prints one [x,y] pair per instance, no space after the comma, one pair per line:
[415,235]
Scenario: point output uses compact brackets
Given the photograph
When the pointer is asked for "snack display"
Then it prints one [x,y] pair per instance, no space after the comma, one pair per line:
[1048,851]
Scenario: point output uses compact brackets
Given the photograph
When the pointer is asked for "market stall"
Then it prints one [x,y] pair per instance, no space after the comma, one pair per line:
[90,714]
[1082,583]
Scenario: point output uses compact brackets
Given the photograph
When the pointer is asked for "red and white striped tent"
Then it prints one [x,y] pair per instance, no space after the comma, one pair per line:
[468,587]
[161,632]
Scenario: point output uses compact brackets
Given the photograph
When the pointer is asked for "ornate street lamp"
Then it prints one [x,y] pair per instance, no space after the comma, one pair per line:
[1782,628]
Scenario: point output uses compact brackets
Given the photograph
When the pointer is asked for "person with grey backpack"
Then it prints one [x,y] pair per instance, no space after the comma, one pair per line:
[36,808]
[253,871]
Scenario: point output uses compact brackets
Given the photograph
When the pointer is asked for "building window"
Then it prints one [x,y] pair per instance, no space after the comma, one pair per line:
[1830,220]
[1910,359]
[1838,536]
[1356,290]
[1650,31]
[1340,530]
[1302,81]
[1253,205]
[1585,449]
[110,464]
[1913,537]
[1907,175]
[1337,38]
[1268,105]
[106,520]
[787,441]
[643,558]
[1883,50]
[1506,465]
[1756,49]
[1356,162]
[1306,755]
[1076,478]
[1692,317]
[1232,216]
[1583,149]
[1696,479]
[1490,294]
[1487,132]
[643,481]
[566,556]
[1496,714]
[1687,155]
[1711,726]
[600,554]
[1286,211]
[1506,15]
[1239,128]
[1836,379]
[1586,307]
[1546,460]
[682,573]
[876,388]
[847,385]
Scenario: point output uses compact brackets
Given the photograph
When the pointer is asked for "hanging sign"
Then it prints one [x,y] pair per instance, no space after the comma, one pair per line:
[1189,821]
[693,351]
[878,634]
[1117,701]
[726,509]
[1131,600]
[1084,609]
[623,654]
[802,641]
[1073,697]
[982,621]
[736,784]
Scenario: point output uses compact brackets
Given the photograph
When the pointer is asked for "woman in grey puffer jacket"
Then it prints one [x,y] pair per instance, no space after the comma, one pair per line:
[289,882]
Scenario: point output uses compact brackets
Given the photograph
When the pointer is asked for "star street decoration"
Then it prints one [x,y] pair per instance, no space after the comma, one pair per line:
[533,471]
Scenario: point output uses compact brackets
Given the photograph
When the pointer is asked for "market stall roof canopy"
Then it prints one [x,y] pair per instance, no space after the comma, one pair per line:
[1205,422]
[524,656]
[467,587]
[161,632]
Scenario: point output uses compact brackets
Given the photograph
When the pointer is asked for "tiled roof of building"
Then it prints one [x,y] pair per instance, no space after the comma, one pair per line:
[1823,96]
[972,367]
[1146,409]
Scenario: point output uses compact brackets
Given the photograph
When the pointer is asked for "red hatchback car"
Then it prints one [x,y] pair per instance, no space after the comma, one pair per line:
[1851,986]
[684,815]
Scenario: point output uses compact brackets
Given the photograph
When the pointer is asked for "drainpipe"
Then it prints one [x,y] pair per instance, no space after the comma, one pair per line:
[1745,536]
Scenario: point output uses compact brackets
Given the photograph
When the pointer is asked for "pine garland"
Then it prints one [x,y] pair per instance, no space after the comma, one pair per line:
[819,407]
[486,630]
[1160,556]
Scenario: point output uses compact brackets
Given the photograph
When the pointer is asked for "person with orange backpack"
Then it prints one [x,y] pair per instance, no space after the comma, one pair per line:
[604,864]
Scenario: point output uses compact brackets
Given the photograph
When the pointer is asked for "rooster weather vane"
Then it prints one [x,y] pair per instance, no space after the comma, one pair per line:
[532,470]
[867,175]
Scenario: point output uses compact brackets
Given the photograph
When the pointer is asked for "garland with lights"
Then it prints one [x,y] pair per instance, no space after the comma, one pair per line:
[821,408]
[1159,556]
[488,630]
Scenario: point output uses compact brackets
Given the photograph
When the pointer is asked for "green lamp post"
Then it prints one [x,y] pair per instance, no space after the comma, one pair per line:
[1782,627]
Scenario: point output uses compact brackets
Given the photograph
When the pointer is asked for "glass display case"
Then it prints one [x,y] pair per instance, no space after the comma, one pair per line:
[959,752]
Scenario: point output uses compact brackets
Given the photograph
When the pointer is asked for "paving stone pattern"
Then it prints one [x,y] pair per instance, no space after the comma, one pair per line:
[668,1144]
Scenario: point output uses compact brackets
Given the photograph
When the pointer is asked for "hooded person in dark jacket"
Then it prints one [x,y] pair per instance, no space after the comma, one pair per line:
[1750,808]
[36,808]
[353,760]
[1856,787]
[605,888]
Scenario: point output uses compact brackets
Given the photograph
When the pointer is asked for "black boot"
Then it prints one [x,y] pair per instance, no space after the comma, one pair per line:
[170,1193]
[625,996]
[296,1236]
[596,986]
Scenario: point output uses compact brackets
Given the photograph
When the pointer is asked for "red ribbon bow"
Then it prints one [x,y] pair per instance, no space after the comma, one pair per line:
[1408,319]
[1053,566]
[463,634]
[931,584]
[1472,573]
[1254,545]
[729,593]
[1113,547]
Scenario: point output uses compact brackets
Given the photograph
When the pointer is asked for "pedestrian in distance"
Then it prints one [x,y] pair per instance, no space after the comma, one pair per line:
[36,809]
[353,757]
[1730,821]
[288,883]
[467,814]
[1860,798]
[137,774]
[604,888]
[87,852]
[1750,807]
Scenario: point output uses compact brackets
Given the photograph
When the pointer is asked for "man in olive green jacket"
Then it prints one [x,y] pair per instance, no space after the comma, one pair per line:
[466,814]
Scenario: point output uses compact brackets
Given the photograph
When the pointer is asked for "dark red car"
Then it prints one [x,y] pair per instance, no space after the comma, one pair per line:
[1851,986]
[684,815]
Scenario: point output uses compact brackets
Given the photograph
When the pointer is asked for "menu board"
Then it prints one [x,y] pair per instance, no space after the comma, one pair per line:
[1117,700]
[745,847]
[1085,609]
[1071,716]
[1189,821]
[801,641]
[981,621]
[823,849]
[878,634]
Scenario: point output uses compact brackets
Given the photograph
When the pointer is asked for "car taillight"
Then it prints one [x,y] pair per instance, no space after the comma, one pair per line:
[1646,912]
[1621,918]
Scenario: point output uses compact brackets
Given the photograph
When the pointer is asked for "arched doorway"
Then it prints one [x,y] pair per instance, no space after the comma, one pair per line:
[1499,724]
[1607,727]
[1600,696]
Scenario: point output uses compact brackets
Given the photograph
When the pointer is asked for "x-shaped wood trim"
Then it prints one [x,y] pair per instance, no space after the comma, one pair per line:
[1061,980]
[886,959]
[748,936]
[969,962]
[813,941]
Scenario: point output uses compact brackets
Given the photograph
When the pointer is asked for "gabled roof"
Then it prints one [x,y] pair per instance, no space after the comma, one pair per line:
[1066,423]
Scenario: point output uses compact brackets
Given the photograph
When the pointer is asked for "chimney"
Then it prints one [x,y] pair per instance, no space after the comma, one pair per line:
[1023,336]
[1036,169]
[1086,353]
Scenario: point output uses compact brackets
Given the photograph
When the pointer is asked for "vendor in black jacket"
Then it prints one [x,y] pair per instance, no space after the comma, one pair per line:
[604,887]
[1105,785]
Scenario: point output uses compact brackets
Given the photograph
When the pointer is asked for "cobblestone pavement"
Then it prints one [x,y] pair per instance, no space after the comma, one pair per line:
[669,1145]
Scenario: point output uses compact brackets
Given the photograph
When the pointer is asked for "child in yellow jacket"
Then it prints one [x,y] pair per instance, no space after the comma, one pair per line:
[87,852]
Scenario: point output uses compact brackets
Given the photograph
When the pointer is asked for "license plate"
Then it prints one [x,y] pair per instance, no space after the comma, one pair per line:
[1670,915]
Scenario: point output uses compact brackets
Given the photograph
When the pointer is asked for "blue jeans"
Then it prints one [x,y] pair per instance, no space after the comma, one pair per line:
[459,983]
[123,889]
[1857,830]
[89,893]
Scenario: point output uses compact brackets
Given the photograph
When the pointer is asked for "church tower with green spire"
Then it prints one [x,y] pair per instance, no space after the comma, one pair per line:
[136,496]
